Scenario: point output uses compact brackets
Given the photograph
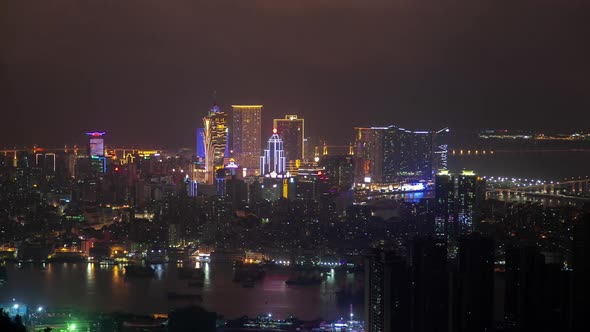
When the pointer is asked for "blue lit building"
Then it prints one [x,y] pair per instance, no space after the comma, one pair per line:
[201,143]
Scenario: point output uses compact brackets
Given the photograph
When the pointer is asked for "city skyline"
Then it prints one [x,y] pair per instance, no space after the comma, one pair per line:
[149,77]
[296,166]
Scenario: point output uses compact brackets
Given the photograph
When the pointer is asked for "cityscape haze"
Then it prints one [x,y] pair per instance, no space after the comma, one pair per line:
[294,166]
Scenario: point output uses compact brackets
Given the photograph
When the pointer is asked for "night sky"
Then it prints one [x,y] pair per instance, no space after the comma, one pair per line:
[145,71]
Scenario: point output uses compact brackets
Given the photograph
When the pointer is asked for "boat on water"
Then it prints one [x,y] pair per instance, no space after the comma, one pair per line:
[139,271]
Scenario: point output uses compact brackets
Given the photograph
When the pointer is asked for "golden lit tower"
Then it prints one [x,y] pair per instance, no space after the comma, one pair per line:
[216,140]
[246,134]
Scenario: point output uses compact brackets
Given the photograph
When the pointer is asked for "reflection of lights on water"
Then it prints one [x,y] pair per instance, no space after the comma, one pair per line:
[90,273]
[159,271]
[206,271]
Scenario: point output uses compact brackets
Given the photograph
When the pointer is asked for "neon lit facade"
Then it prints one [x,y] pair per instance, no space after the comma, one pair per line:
[215,140]
[272,163]
[96,143]
[201,143]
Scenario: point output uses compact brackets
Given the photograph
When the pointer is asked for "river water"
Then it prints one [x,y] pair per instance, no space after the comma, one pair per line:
[95,287]
[548,165]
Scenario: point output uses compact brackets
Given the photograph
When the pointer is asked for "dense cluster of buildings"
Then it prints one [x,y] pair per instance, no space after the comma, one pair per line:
[423,290]
[379,157]
[280,197]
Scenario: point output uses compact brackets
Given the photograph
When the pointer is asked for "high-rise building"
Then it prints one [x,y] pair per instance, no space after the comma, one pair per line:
[339,170]
[272,163]
[308,149]
[201,143]
[392,154]
[407,155]
[445,225]
[470,194]
[525,269]
[387,292]
[473,285]
[246,135]
[430,280]
[46,162]
[363,154]
[581,289]
[440,142]
[458,201]
[96,143]
[215,133]
[292,131]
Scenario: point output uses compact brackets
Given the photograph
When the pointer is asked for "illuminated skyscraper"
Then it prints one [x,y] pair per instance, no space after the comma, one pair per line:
[96,143]
[201,143]
[444,205]
[440,142]
[246,130]
[339,170]
[362,154]
[292,130]
[273,160]
[392,154]
[470,194]
[215,134]
[457,203]
[96,151]
[387,292]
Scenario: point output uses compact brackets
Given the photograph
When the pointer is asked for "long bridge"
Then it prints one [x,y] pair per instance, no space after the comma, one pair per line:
[574,189]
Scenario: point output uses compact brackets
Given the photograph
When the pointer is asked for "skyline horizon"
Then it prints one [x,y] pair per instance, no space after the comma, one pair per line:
[147,72]
[461,131]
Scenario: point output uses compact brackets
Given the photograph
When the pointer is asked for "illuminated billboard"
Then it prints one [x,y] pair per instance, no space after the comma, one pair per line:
[97,147]
[96,143]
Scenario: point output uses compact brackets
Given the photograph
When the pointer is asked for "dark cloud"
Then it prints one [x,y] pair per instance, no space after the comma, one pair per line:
[145,70]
